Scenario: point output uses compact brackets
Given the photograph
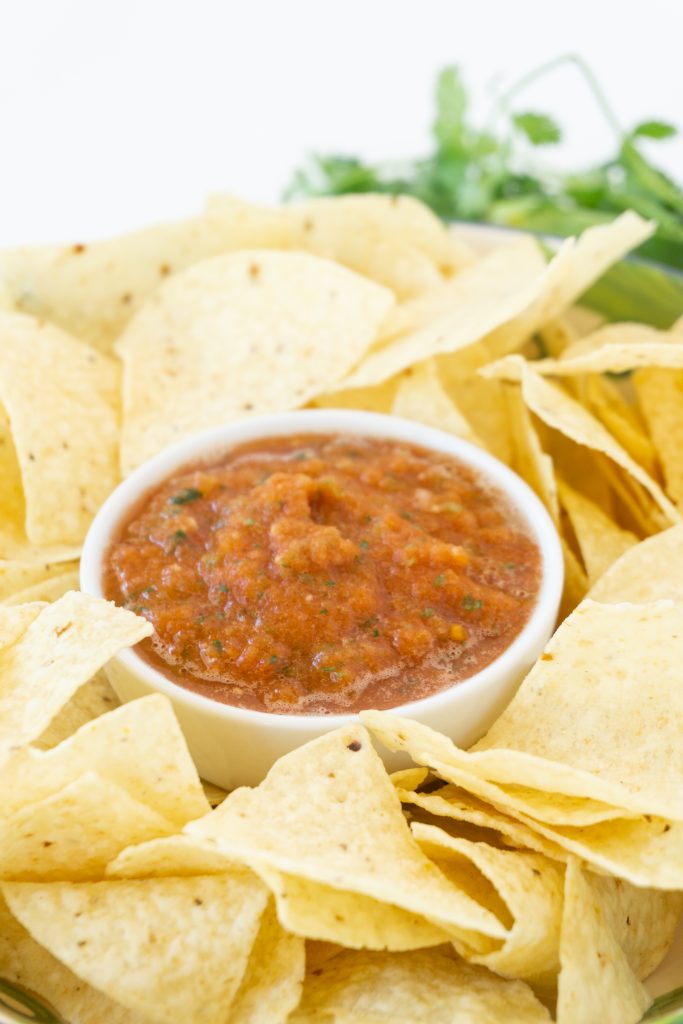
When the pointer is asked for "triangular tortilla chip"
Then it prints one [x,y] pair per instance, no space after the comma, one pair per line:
[301,821]
[596,984]
[172,948]
[253,331]
[65,644]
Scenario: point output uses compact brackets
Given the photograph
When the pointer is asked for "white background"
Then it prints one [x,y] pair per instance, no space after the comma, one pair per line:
[115,113]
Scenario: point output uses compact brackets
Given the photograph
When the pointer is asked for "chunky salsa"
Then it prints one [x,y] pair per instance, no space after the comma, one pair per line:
[325,574]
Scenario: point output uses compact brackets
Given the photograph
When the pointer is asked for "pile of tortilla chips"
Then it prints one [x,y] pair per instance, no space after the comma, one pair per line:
[537,876]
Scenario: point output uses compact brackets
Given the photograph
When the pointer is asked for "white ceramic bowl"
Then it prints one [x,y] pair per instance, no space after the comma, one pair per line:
[235,746]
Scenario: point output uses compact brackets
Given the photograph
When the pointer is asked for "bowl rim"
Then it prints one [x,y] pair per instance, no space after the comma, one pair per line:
[211,444]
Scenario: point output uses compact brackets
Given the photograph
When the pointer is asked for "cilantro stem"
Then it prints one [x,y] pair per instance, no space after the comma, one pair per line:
[564,59]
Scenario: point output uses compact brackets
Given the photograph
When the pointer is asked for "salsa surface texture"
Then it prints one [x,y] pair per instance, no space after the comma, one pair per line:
[325,574]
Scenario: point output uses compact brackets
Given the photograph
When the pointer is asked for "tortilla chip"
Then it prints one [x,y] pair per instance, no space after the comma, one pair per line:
[93,290]
[482,402]
[214,794]
[166,857]
[67,442]
[469,771]
[578,263]
[124,938]
[15,621]
[375,399]
[252,331]
[12,504]
[599,538]
[25,963]
[271,986]
[582,321]
[417,313]
[660,394]
[618,413]
[347,918]
[573,710]
[649,571]
[138,746]
[61,649]
[575,582]
[617,348]
[94,698]
[318,953]
[304,908]
[561,412]
[581,468]
[409,778]
[596,984]
[645,850]
[391,239]
[331,227]
[643,921]
[402,988]
[462,808]
[49,589]
[299,821]
[421,397]
[557,335]
[528,457]
[631,506]
[524,889]
[234,224]
[75,832]
[477,300]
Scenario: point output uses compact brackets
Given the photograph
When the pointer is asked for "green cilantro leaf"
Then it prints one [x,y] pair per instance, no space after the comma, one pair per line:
[539,129]
[655,130]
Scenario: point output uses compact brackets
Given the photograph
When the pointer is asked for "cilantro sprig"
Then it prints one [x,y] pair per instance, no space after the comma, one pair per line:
[487,174]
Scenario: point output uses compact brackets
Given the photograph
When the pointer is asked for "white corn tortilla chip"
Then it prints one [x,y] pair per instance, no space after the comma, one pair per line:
[138,746]
[420,396]
[600,539]
[480,297]
[298,821]
[15,620]
[93,290]
[349,919]
[124,938]
[24,962]
[525,887]
[62,400]
[272,983]
[246,332]
[608,666]
[596,984]
[617,348]
[49,589]
[645,850]
[60,650]
[563,413]
[94,698]
[649,571]
[660,395]
[403,988]
[75,832]
[578,263]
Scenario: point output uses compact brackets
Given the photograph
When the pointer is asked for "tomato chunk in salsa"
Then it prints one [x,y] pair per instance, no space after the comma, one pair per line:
[325,574]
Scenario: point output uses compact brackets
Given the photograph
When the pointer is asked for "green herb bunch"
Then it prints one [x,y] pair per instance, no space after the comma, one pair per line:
[480,174]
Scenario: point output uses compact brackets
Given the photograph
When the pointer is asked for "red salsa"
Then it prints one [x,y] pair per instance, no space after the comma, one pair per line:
[325,574]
